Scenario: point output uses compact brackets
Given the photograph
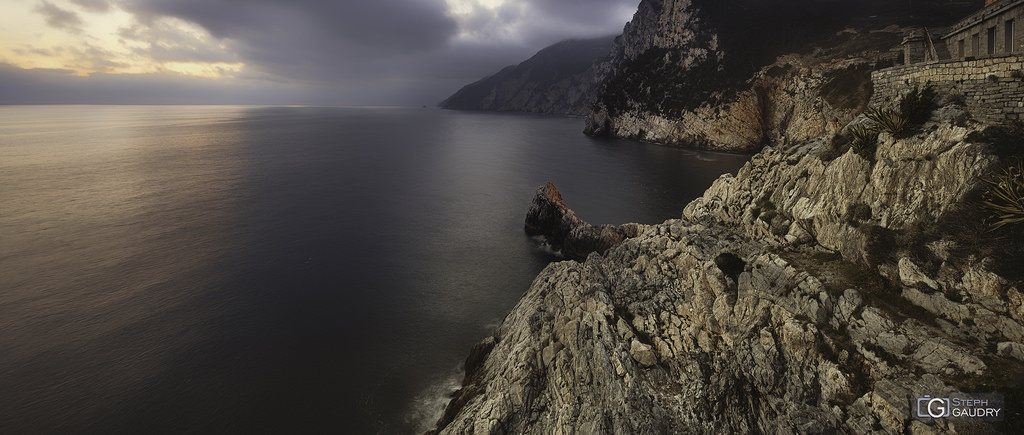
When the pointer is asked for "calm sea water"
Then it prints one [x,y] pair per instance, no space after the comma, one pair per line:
[290,269]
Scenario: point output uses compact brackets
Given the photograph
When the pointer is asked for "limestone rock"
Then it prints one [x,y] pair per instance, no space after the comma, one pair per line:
[911,179]
[716,323]
[847,304]
[1011,349]
[940,356]
[681,74]
[549,217]
[643,353]
[910,274]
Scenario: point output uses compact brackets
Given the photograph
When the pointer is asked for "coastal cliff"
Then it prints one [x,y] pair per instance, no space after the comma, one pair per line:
[562,79]
[730,75]
[700,74]
[819,289]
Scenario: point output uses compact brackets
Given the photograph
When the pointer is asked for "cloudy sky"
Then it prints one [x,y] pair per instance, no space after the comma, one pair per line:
[337,52]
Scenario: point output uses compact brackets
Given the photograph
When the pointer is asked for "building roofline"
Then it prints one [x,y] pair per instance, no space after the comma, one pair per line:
[982,15]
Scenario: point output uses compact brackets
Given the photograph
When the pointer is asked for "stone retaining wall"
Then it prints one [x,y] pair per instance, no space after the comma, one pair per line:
[992,88]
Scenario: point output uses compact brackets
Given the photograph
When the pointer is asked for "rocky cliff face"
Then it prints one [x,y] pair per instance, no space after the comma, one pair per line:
[806,294]
[732,75]
[567,234]
[774,110]
[563,78]
[689,72]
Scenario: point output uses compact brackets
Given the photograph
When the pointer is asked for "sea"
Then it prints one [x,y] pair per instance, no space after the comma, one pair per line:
[242,269]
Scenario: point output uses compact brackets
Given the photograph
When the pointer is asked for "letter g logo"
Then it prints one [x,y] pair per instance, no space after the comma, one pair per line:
[938,407]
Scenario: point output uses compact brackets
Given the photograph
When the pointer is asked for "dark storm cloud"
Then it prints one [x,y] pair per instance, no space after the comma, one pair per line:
[59,18]
[314,40]
[402,51]
[386,25]
[557,20]
[538,23]
[320,40]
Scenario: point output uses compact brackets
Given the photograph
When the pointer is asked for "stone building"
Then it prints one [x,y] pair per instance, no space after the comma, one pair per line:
[979,61]
[919,46]
[992,31]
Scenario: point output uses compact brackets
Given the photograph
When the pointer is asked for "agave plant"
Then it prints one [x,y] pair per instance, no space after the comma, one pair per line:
[889,121]
[864,141]
[1005,196]
[917,105]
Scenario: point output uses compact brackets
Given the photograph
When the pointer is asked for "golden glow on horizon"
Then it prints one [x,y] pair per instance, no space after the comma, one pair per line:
[218,69]
[110,41]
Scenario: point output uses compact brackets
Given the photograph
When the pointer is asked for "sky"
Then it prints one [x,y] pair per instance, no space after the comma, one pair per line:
[319,52]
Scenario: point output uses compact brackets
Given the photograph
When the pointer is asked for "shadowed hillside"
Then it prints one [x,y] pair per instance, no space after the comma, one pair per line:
[558,79]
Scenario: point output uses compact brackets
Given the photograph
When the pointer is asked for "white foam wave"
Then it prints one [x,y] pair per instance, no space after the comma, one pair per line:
[429,404]
[542,244]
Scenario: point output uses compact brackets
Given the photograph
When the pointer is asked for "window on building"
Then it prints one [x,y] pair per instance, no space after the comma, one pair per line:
[975,44]
[1008,44]
[991,40]
[960,49]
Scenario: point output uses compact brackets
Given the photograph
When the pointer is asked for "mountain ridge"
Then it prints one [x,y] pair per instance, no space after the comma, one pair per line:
[558,79]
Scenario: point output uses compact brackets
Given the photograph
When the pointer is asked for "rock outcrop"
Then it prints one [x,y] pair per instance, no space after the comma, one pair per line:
[696,73]
[771,306]
[567,234]
[785,102]
[789,196]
